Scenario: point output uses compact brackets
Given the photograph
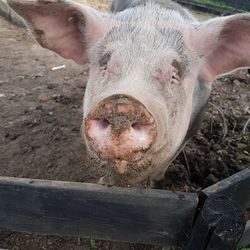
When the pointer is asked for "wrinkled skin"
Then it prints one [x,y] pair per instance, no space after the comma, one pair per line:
[151,70]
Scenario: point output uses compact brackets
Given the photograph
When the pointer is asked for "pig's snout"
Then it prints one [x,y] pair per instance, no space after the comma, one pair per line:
[120,128]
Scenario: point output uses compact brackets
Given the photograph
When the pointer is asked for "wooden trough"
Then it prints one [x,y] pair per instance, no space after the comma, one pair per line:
[185,220]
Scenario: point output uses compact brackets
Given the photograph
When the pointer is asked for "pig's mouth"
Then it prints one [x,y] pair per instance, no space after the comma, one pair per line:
[120,172]
[121,164]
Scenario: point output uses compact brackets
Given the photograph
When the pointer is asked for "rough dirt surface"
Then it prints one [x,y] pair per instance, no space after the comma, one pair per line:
[40,118]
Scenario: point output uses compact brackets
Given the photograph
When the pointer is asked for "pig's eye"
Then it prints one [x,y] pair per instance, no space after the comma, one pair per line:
[175,77]
[104,60]
[176,74]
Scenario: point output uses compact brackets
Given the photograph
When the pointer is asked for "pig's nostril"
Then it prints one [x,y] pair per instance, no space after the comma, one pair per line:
[99,125]
[104,124]
[136,126]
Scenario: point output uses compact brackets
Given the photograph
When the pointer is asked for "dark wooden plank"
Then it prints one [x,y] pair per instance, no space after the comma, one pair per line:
[219,225]
[88,210]
[236,187]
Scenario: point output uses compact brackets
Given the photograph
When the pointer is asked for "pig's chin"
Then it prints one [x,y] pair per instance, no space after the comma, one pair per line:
[123,172]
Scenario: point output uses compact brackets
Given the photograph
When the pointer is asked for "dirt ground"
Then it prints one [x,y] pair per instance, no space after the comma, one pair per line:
[40,118]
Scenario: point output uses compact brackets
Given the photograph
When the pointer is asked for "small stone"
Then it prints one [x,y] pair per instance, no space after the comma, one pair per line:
[37,76]
[20,77]
[237,82]
[50,242]
[43,98]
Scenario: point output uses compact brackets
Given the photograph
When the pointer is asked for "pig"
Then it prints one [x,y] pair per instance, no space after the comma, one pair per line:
[152,65]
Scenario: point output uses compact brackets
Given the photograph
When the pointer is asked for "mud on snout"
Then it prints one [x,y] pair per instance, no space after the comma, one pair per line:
[120,131]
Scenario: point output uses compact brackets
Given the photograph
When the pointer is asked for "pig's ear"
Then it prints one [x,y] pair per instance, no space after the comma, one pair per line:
[63,26]
[224,44]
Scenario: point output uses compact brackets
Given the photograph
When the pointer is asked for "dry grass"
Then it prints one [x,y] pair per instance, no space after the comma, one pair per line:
[98,4]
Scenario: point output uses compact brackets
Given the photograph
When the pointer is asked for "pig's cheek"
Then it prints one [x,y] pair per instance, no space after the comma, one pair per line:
[173,123]
[176,121]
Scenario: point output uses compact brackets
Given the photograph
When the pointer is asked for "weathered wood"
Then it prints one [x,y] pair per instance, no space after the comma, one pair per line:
[236,187]
[88,210]
[219,225]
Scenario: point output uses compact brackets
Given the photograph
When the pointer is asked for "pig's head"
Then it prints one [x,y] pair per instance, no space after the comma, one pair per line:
[150,75]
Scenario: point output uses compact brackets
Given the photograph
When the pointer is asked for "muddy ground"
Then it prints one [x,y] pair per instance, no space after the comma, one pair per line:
[40,118]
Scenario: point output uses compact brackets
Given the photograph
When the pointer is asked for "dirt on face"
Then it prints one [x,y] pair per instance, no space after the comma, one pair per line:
[40,118]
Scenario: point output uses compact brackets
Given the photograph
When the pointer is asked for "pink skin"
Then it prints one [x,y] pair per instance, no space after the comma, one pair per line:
[57,26]
[224,42]
[166,120]
[213,48]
